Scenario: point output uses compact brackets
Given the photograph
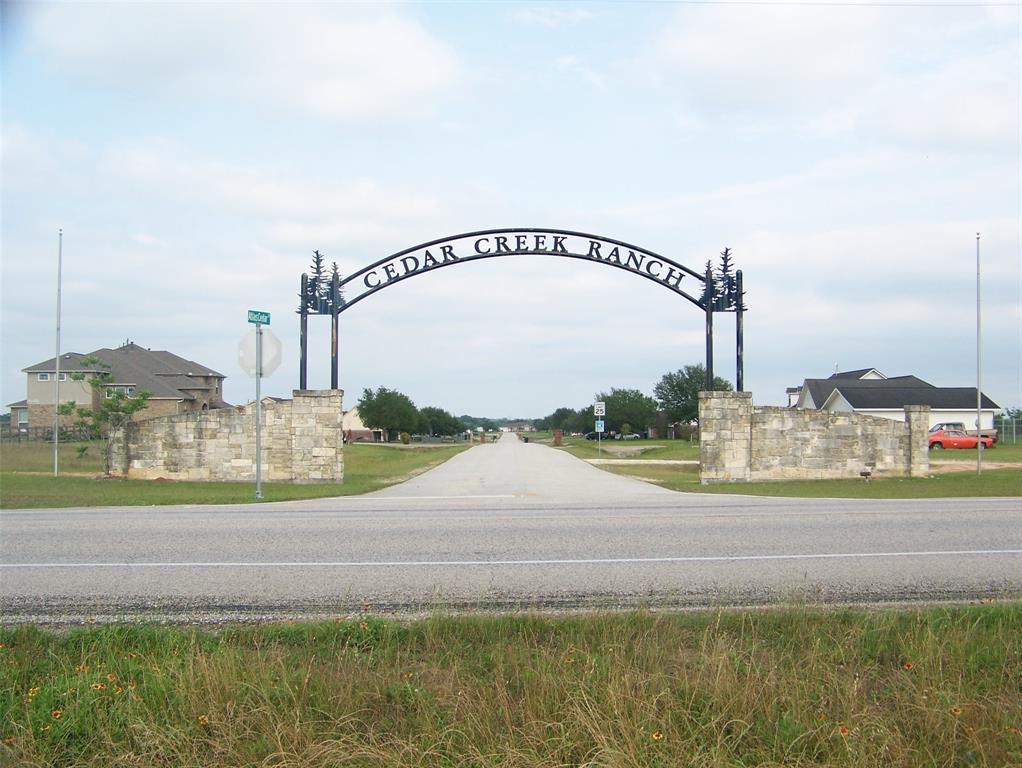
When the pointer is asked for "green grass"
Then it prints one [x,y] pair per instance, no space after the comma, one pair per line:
[72,458]
[792,687]
[26,482]
[1000,452]
[993,482]
[672,450]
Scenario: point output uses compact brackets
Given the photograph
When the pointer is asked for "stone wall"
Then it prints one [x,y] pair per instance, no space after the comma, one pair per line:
[742,443]
[301,443]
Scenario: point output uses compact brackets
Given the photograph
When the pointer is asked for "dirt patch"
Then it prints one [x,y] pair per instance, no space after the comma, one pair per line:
[942,467]
[624,450]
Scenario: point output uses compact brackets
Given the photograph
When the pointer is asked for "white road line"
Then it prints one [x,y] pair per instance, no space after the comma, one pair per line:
[589,561]
[428,498]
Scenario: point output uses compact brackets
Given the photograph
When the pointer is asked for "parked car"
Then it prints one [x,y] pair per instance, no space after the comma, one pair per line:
[955,438]
[959,426]
[632,436]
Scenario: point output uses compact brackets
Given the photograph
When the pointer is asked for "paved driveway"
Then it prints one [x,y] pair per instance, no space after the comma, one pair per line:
[512,468]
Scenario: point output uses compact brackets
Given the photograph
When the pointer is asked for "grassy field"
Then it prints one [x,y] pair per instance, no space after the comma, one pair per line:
[26,480]
[685,477]
[998,482]
[672,450]
[792,687]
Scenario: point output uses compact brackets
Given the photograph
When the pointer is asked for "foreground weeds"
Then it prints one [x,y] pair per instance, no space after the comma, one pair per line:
[796,687]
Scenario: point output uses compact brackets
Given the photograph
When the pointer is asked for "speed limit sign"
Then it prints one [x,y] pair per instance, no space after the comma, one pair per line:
[600,409]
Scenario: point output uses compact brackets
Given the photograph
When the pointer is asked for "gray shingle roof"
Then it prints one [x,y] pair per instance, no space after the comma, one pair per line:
[820,389]
[163,374]
[69,361]
[870,398]
[853,374]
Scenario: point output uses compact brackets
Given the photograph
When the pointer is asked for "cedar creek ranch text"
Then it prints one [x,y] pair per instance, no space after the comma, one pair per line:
[528,244]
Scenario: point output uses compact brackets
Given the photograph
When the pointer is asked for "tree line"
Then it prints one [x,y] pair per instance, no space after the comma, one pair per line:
[630,410]
[394,412]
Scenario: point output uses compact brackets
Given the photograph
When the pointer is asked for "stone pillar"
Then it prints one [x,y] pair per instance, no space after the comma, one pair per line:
[725,437]
[117,451]
[918,419]
[317,440]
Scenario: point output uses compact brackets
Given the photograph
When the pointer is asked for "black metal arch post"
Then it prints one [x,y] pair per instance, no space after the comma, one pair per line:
[709,299]
[335,314]
[739,334]
[303,337]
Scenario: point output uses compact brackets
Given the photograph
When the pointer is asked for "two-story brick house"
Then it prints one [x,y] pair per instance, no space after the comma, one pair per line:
[175,385]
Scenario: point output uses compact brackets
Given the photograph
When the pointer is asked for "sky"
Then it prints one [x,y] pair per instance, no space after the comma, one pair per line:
[196,154]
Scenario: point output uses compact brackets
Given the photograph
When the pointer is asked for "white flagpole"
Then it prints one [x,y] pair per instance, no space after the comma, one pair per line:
[979,374]
[56,375]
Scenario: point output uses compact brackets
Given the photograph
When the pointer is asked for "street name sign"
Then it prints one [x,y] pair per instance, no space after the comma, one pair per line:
[260,318]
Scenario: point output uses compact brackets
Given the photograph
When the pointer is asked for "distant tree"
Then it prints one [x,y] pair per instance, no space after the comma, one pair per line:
[626,405]
[388,410]
[471,422]
[677,392]
[437,421]
[113,406]
[562,418]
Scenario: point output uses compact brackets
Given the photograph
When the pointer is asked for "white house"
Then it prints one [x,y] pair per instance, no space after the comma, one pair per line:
[869,392]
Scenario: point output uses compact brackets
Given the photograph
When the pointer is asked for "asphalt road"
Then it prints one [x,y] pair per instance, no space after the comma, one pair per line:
[503,525]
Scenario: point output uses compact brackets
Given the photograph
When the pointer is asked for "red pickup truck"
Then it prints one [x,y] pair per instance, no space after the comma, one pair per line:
[945,436]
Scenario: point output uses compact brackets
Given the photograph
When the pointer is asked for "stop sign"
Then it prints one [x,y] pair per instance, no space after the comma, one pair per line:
[247,352]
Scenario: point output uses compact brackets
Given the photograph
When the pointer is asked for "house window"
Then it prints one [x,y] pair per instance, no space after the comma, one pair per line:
[63,377]
[22,417]
[43,376]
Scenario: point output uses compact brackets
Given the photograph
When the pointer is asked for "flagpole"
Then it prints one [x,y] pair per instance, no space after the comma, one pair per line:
[979,374]
[56,375]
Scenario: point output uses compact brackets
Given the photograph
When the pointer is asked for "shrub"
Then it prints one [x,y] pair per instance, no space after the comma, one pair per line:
[405,438]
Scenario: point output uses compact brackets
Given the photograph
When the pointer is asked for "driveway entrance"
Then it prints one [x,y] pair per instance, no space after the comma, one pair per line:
[513,469]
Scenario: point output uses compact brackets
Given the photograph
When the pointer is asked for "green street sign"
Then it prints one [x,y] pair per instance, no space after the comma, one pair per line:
[255,316]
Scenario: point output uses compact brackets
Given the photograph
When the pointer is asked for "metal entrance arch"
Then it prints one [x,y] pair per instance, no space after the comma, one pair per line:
[715,290]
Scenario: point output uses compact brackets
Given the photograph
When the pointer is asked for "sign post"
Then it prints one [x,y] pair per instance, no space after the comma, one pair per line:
[599,409]
[259,318]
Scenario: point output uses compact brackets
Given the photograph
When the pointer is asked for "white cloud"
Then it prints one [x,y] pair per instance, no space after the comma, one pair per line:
[336,61]
[969,103]
[552,17]
[148,241]
[755,58]
[291,212]
[910,75]
[576,65]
